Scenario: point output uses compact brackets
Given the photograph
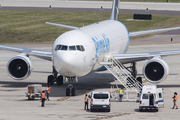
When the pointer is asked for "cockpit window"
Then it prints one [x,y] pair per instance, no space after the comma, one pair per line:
[72,47]
[64,47]
[80,48]
[58,47]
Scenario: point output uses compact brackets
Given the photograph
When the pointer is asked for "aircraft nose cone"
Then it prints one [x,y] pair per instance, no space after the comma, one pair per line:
[70,65]
[67,64]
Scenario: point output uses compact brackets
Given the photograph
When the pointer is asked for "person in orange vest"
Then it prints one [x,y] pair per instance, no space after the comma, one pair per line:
[47,91]
[43,97]
[175,99]
[86,102]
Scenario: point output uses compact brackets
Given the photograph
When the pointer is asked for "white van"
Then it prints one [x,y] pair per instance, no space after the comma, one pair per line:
[149,97]
[100,100]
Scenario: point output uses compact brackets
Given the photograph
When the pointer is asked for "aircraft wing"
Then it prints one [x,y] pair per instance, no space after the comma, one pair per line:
[134,57]
[46,55]
[64,26]
[138,33]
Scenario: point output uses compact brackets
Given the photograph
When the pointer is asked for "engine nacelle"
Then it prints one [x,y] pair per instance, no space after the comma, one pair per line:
[156,70]
[19,67]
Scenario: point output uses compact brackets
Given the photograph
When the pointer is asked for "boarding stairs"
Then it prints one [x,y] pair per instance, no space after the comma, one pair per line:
[120,72]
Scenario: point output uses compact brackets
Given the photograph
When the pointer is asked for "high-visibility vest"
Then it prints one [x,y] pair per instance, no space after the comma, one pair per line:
[121,92]
[86,99]
[175,97]
[43,95]
[47,89]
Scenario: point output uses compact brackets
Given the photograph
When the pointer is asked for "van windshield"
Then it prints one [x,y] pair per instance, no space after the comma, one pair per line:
[101,96]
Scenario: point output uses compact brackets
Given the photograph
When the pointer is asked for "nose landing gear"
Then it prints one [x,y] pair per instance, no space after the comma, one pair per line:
[70,89]
[59,80]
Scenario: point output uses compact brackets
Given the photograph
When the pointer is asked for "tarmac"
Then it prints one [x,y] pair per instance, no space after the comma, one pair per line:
[15,106]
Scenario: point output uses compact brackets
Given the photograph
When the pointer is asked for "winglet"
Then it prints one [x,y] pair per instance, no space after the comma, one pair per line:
[115,10]
[64,26]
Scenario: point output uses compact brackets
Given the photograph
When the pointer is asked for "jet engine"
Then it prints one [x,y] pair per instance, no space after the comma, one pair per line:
[156,70]
[19,67]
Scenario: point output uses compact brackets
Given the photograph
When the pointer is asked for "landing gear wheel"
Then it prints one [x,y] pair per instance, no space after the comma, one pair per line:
[59,80]
[140,80]
[67,91]
[50,80]
[73,92]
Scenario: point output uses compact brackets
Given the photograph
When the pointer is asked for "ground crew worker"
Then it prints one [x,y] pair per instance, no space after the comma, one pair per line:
[43,97]
[175,99]
[47,91]
[86,102]
[120,94]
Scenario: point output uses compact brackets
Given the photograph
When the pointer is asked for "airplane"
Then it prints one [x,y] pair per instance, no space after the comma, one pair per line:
[75,53]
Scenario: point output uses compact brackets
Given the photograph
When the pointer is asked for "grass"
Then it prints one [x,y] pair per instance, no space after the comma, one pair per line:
[30,27]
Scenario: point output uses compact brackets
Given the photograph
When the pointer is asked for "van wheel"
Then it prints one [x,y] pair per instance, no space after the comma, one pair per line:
[140,110]
[108,110]
[33,97]
[92,110]
[29,97]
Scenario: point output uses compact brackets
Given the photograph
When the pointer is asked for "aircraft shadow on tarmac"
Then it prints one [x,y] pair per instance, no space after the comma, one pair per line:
[85,84]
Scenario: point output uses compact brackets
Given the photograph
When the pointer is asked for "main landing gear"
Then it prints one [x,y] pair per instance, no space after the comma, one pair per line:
[132,69]
[54,78]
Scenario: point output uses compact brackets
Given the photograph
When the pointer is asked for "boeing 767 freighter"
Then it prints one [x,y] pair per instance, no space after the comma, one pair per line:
[75,53]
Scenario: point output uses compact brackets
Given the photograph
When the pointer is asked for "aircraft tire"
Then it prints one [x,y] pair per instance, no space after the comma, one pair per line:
[73,91]
[59,80]
[140,80]
[50,79]
[67,91]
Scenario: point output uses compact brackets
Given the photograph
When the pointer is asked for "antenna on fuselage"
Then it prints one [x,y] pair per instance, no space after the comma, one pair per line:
[115,10]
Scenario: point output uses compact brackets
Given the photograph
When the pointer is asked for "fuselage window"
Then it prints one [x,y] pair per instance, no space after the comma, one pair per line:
[58,47]
[64,47]
[72,48]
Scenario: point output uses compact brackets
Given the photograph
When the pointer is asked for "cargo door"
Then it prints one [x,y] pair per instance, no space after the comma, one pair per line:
[160,97]
[151,99]
[145,99]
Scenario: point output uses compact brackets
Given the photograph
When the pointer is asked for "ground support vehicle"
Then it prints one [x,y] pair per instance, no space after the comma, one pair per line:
[149,98]
[100,100]
[33,91]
